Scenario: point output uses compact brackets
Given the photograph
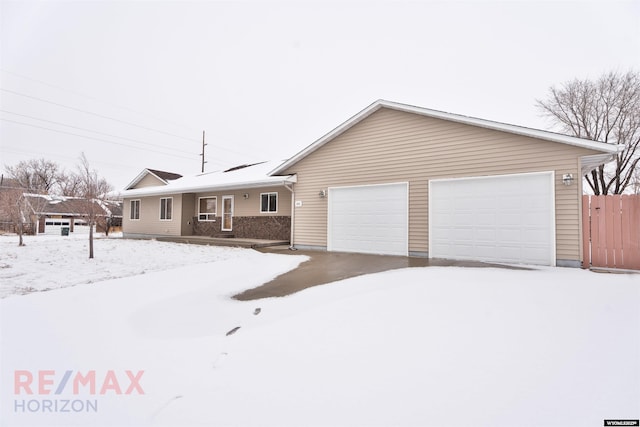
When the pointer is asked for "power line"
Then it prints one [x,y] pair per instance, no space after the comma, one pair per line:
[96,114]
[60,156]
[93,131]
[121,121]
[103,140]
[94,98]
[96,139]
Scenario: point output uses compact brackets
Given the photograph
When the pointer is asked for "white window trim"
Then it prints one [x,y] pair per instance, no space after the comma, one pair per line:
[215,213]
[131,210]
[269,193]
[160,213]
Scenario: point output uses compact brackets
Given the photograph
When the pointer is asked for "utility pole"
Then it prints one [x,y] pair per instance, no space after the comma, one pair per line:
[202,154]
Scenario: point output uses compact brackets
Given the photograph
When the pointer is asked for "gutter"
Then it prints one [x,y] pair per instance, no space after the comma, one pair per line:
[293,214]
[167,189]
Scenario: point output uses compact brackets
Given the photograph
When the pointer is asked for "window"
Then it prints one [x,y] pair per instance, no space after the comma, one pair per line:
[135,210]
[207,208]
[269,202]
[165,208]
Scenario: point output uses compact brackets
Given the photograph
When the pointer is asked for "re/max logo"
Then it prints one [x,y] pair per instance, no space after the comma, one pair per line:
[77,382]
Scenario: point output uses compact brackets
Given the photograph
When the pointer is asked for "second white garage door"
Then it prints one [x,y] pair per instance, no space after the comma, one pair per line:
[508,218]
[369,219]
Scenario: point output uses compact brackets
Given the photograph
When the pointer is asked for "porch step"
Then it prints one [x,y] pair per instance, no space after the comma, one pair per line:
[223,241]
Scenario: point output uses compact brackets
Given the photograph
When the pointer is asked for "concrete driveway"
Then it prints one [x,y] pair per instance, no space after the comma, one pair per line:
[326,267]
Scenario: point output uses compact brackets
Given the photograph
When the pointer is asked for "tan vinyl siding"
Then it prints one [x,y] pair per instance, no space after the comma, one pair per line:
[149,181]
[251,205]
[393,146]
[149,222]
[185,208]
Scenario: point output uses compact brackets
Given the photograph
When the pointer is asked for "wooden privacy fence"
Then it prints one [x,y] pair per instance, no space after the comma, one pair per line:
[611,231]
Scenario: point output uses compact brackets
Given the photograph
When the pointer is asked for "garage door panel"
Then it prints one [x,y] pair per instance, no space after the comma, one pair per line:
[485,219]
[462,218]
[503,219]
[485,235]
[536,219]
[509,220]
[369,219]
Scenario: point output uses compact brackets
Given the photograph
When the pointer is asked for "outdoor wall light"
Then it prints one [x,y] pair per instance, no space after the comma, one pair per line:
[567,179]
[245,195]
[322,194]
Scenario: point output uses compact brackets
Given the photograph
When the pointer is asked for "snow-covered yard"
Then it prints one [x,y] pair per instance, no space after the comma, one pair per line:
[50,262]
[440,346]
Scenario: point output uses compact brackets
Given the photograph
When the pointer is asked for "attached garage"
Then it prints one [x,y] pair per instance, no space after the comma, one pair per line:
[477,189]
[507,218]
[369,219]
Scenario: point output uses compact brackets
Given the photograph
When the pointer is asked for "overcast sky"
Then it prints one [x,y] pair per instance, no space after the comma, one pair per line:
[133,84]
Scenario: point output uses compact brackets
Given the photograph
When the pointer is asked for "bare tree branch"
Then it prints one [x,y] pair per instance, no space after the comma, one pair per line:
[605,110]
[37,175]
[94,191]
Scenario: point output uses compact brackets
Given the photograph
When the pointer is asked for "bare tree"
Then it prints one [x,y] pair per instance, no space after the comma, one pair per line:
[37,175]
[14,206]
[93,190]
[69,184]
[20,207]
[606,110]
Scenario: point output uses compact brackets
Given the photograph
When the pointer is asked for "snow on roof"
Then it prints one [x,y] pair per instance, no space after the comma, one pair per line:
[51,204]
[602,147]
[163,176]
[239,177]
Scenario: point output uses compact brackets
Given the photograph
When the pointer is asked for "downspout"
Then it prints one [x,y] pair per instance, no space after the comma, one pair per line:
[293,213]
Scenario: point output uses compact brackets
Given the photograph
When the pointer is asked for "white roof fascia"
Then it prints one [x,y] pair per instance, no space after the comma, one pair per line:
[47,197]
[104,207]
[176,189]
[488,124]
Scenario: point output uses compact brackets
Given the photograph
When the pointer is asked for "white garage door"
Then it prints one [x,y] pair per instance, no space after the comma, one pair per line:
[53,226]
[369,219]
[508,218]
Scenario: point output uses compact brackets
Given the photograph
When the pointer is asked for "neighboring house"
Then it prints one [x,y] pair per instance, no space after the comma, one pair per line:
[404,180]
[241,202]
[54,213]
[113,209]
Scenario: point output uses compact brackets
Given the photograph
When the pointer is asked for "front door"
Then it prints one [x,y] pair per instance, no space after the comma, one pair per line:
[227,213]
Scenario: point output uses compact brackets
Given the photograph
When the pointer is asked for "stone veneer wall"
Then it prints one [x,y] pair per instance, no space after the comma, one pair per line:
[206,228]
[247,227]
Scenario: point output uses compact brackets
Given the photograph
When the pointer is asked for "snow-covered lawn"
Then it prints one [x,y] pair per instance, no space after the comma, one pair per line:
[50,262]
[440,346]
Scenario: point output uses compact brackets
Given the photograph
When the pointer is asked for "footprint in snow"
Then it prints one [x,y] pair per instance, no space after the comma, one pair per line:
[233,331]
